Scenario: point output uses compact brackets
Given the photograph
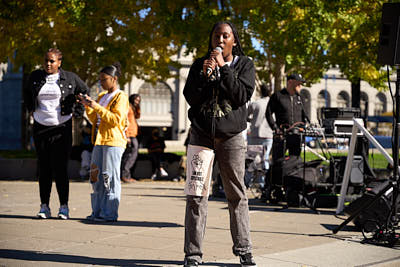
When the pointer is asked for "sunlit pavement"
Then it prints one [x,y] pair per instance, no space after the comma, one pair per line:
[150,232]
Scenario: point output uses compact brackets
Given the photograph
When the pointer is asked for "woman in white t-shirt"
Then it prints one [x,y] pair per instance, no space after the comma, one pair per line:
[50,98]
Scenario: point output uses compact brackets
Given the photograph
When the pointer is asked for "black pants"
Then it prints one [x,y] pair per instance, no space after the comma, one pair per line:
[129,157]
[156,159]
[53,147]
[291,142]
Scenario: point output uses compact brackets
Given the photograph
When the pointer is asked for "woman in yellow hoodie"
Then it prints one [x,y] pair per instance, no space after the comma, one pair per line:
[108,116]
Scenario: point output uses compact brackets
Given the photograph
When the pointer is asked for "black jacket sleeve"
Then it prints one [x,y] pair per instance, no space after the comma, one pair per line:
[81,88]
[196,89]
[238,87]
[270,110]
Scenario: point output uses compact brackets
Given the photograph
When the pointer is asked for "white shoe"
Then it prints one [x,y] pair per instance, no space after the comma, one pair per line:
[84,171]
[163,173]
[44,212]
[63,213]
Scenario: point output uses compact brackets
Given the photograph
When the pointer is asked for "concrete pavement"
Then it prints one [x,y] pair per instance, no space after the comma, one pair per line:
[150,232]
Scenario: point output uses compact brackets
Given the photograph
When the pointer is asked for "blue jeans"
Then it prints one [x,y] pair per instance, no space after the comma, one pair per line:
[267,143]
[106,163]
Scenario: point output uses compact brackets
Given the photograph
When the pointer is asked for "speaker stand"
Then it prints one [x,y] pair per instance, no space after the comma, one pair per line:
[383,234]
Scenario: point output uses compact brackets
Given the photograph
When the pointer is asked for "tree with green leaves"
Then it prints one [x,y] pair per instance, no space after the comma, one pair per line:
[293,35]
[91,34]
[353,43]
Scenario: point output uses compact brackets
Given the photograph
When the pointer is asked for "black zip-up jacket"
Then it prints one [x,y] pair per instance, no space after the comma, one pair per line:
[218,108]
[287,112]
[70,85]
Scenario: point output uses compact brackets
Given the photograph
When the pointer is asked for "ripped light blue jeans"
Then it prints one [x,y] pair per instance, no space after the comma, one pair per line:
[105,166]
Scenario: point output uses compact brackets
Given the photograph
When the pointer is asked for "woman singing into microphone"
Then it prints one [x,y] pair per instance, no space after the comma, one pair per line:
[218,112]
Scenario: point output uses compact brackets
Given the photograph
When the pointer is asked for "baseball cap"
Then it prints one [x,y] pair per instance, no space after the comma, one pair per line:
[297,77]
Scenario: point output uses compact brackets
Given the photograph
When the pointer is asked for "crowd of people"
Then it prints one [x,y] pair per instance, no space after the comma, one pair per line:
[218,90]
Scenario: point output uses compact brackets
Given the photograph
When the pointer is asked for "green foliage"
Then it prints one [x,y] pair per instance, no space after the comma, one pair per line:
[294,35]
[91,34]
[375,160]
[17,154]
[354,38]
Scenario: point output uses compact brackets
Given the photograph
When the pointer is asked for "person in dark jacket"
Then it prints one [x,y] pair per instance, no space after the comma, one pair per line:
[50,97]
[217,89]
[287,105]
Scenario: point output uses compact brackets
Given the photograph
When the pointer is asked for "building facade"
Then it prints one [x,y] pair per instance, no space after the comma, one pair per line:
[335,91]
[164,106]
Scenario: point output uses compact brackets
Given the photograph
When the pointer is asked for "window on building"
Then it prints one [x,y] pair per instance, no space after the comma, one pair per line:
[380,104]
[156,110]
[321,101]
[156,99]
[343,100]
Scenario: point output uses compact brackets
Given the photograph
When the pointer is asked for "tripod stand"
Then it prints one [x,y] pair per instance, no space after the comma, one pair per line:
[386,233]
[291,181]
[304,199]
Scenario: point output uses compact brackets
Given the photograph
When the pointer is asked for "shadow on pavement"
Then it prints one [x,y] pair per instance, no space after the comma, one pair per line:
[18,217]
[148,195]
[54,257]
[73,259]
[134,224]
[154,188]
[117,223]
[347,228]
[258,205]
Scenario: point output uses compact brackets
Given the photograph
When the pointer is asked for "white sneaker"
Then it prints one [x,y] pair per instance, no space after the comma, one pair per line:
[44,212]
[63,213]
[84,171]
[163,173]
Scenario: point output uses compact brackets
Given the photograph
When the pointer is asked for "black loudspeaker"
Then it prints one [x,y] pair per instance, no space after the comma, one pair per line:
[376,215]
[282,167]
[389,37]
[337,168]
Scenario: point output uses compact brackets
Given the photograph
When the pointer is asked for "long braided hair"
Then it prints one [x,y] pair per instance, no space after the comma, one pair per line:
[236,50]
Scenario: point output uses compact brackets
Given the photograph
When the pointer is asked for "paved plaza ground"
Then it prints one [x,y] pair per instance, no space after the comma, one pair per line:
[150,232]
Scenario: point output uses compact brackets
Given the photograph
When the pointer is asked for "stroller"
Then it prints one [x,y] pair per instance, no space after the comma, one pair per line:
[255,172]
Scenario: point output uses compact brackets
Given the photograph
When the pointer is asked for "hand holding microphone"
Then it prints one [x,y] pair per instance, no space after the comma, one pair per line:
[211,63]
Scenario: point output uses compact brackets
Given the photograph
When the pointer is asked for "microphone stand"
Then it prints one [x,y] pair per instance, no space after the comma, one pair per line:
[395,150]
[303,136]
[304,200]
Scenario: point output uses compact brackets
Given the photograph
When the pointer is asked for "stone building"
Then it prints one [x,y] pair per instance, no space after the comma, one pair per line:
[163,104]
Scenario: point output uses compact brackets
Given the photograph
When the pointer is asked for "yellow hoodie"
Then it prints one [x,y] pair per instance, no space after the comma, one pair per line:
[113,120]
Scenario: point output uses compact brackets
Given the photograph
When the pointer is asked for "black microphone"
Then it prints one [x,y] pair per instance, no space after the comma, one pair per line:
[210,70]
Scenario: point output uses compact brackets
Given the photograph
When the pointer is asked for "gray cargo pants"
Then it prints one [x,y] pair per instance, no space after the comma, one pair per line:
[230,155]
